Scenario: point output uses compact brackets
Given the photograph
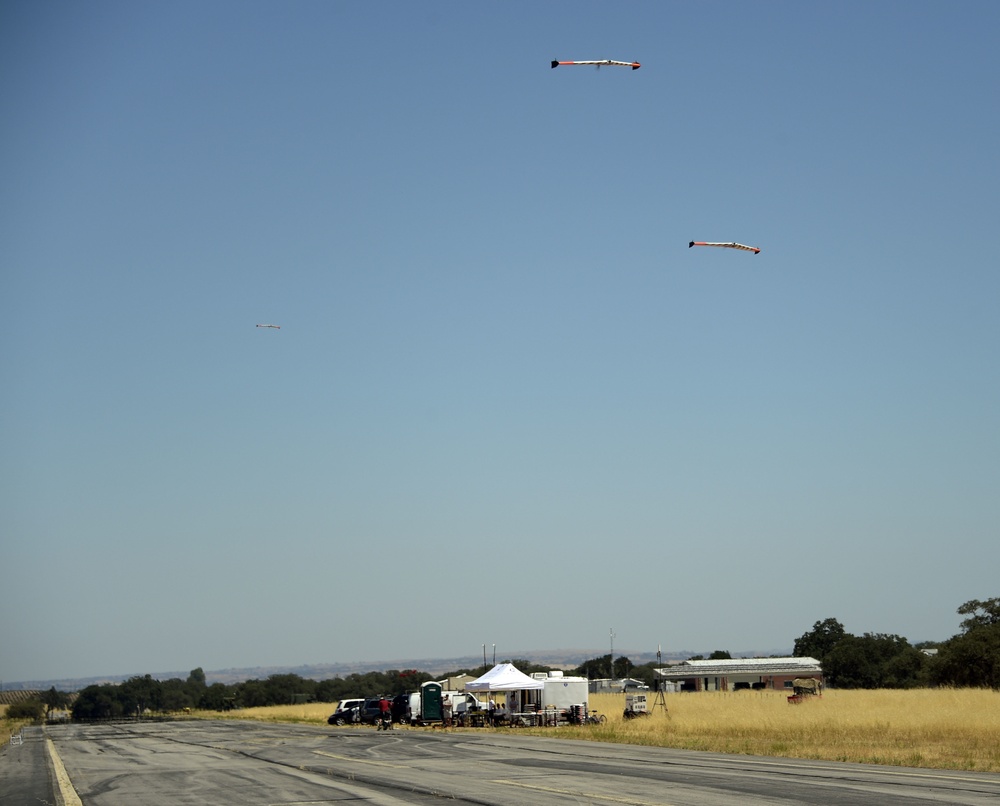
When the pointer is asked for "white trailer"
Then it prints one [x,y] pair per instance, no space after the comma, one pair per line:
[562,692]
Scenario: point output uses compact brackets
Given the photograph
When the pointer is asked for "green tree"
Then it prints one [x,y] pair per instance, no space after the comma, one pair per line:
[139,694]
[873,660]
[54,701]
[622,666]
[980,614]
[284,689]
[645,673]
[26,709]
[408,680]
[972,658]
[251,694]
[598,668]
[720,654]
[907,668]
[195,686]
[214,697]
[97,702]
[176,695]
[595,668]
[820,640]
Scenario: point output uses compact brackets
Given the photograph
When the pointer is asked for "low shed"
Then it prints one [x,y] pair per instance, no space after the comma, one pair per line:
[739,673]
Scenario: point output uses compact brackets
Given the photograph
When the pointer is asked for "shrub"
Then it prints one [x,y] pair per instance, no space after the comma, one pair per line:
[27,709]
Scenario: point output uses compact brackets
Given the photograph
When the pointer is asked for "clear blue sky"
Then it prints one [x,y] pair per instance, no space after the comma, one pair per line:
[507,403]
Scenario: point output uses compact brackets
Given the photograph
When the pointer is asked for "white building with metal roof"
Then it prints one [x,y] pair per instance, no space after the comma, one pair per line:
[739,673]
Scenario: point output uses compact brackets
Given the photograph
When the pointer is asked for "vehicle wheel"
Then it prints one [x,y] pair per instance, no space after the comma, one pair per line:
[602,719]
[339,721]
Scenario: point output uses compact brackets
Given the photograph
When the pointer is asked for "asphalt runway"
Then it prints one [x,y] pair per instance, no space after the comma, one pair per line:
[251,764]
[25,775]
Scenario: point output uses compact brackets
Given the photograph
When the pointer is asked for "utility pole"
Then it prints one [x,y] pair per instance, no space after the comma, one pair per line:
[612,663]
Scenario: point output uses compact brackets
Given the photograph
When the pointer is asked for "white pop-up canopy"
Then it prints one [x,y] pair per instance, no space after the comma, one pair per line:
[504,677]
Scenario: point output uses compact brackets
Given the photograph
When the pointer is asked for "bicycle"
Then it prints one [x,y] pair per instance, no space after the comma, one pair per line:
[594,718]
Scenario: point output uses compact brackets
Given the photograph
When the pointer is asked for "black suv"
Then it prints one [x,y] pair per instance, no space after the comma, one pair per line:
[401,708]
[370,711]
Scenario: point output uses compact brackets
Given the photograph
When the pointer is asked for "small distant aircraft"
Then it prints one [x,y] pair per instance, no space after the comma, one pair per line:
[276,327]
[633,65]
[753,249]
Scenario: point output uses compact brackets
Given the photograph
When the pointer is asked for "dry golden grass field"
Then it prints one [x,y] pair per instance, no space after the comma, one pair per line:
[10,726]
[942,728]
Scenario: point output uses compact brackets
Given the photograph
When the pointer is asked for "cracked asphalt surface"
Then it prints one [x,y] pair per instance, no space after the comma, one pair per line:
[255,764]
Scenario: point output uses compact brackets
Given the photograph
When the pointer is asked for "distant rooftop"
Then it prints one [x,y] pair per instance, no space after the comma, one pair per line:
[762,666]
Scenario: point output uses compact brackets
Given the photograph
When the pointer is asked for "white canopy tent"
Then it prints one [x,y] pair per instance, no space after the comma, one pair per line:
[505,677]
[515,685]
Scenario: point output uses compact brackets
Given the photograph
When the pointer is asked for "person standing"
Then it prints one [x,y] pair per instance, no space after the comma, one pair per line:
[446,711]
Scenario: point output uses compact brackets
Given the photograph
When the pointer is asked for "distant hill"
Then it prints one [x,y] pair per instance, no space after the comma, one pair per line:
[555,658]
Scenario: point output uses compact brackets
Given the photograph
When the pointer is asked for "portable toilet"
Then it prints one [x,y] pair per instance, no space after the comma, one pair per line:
[430,701]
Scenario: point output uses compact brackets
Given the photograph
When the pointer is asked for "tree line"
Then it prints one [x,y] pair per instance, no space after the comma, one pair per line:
[871,660]
[39,708]
[138,695]
[880,660]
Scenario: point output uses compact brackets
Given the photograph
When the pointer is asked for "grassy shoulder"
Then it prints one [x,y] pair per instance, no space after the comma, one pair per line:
[937,728]
[9,726]
[313,713]
[955,729]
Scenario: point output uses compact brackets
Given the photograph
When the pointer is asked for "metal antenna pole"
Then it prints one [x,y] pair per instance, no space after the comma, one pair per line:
[659,702]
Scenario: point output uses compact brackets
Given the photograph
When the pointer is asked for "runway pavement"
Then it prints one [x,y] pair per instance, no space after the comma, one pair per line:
[225,762]
[25,771]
